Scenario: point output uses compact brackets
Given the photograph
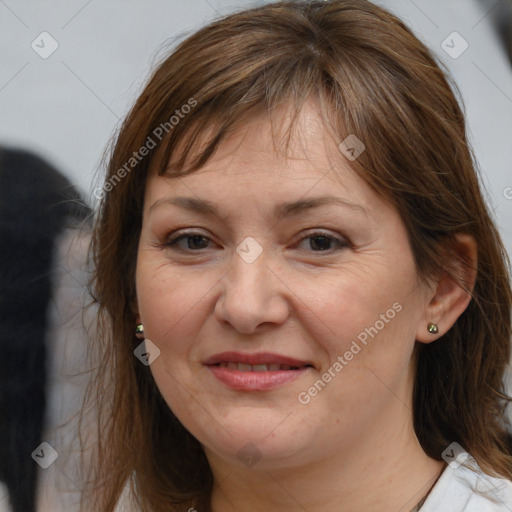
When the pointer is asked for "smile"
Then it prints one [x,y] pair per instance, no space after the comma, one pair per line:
[255,372]
[273,367]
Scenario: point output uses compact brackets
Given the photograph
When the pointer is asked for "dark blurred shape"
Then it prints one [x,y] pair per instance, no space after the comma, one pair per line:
[36,204]
[500,12]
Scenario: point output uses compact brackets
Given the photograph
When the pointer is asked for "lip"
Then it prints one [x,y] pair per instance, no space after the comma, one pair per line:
[255,380]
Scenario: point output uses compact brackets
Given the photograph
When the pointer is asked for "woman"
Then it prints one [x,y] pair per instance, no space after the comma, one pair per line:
[305,302]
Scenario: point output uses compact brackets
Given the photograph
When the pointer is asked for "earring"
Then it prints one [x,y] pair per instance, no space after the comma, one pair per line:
[139,329]
[432,328]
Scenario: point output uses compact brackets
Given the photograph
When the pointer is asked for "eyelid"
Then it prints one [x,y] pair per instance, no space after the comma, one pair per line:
[188,232]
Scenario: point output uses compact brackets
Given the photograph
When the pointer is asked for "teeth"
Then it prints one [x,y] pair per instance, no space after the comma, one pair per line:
[242,367]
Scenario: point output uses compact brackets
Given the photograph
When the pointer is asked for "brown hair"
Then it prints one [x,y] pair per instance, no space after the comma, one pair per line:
[375,79]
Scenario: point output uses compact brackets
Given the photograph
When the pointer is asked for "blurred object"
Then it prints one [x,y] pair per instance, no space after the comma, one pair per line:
[71,321]
[36,204]
[500,12]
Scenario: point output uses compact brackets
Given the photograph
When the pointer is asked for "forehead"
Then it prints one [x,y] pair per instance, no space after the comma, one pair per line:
[286,153]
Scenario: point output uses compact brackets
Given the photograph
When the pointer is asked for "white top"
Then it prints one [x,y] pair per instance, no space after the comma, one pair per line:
[465,488]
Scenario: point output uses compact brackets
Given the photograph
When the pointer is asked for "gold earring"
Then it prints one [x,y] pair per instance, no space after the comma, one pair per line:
[139,329]
[432,328]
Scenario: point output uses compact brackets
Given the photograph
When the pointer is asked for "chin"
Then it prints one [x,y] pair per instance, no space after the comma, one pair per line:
[264,444]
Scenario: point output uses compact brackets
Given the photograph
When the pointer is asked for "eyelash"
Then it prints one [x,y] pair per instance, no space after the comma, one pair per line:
[340,242]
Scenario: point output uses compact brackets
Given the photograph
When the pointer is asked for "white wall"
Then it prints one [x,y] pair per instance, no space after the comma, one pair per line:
[67,106]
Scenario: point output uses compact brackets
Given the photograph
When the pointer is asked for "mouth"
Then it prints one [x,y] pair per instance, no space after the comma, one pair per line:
[255,372]
[261,362]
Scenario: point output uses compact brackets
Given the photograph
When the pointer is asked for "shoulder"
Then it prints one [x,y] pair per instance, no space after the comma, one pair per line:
[463,487]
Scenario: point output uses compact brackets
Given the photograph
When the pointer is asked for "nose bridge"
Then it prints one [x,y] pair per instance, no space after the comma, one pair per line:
[250,266]
[251,293]
[249,280]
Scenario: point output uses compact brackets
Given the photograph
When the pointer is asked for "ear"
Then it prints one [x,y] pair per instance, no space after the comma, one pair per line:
[448,299]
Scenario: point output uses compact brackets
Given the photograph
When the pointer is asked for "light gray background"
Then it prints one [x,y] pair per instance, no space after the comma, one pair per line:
[66,107]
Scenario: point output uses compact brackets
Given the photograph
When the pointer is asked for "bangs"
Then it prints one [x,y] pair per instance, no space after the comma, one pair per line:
[280,92]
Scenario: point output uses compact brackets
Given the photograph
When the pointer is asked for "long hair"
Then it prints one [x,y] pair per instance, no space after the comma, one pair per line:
[375,79]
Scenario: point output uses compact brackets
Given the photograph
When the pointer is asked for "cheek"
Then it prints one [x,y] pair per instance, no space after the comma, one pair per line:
[371,326]
[172,307]
[170,302]
[360,303]
[371,317]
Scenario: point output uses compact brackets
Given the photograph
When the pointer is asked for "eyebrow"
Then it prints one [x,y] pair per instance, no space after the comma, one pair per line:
[282,210]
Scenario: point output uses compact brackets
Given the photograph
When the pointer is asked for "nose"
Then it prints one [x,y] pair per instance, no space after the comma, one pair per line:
[252,296]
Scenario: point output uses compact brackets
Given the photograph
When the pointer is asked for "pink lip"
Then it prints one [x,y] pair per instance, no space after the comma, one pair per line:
[255,380]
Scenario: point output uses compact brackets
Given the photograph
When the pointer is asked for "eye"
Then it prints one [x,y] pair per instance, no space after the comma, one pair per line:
[188,241]
[316,242]
[323,242]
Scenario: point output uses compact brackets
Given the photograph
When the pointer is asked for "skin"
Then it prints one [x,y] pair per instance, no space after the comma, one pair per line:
[352,447]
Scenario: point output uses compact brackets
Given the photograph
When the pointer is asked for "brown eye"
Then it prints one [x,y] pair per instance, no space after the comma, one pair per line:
[322,242]
[189,241]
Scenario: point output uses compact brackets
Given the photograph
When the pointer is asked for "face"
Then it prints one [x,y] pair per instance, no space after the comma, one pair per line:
[283,297]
